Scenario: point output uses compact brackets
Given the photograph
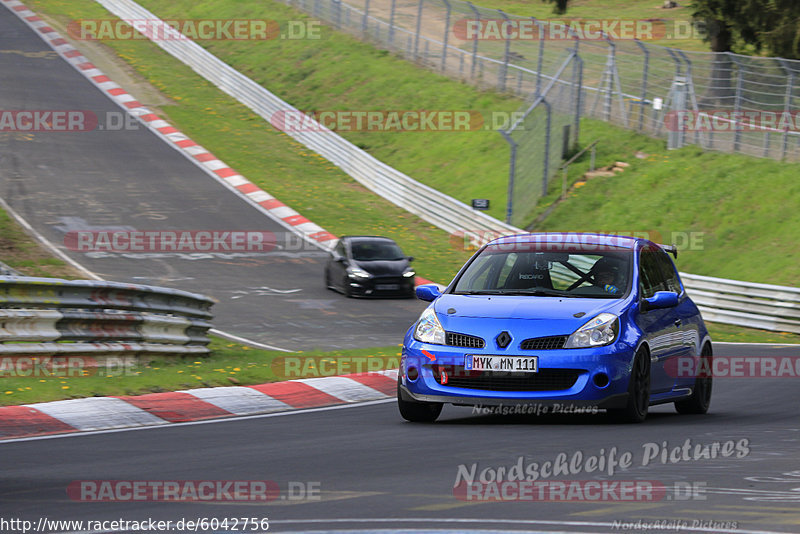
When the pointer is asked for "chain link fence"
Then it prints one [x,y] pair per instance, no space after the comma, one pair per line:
[719,101]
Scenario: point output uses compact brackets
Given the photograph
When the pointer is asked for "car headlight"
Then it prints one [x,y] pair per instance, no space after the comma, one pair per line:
[409,274]
[428,329]
[602,330]
[357,272]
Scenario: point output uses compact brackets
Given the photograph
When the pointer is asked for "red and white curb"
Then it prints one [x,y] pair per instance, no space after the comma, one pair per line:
[109,413]
[212,165]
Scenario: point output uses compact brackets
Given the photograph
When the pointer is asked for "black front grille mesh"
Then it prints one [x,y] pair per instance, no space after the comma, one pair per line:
[544,343]
[545,380]
[455,339]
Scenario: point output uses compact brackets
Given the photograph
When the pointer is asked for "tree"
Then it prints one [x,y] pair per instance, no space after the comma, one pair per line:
[769,25]
[560,6]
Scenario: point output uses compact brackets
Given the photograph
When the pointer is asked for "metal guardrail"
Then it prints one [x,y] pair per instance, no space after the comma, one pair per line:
[764,306]
[50,316]
[437,208]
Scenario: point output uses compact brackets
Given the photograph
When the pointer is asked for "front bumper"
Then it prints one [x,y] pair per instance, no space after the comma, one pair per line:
[590,368]
[377,286]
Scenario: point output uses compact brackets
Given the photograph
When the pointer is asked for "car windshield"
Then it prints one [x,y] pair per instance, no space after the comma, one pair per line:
[376,251]
[530,269]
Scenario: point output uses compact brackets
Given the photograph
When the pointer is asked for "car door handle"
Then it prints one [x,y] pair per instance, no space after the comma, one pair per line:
[677,322]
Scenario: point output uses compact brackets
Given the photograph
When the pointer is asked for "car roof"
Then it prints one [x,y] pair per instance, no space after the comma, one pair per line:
[366,238]
[572,238]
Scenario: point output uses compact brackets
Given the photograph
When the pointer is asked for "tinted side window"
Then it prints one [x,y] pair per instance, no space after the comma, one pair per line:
[651,276]
[671,282]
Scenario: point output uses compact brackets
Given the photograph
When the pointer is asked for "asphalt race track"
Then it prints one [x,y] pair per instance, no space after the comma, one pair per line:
[130,179]
[368,469]
[353,467]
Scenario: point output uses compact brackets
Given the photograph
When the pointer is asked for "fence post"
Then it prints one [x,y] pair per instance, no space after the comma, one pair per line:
[365,18]
[645,71]
[512,167]
[546,162]
[337,18]
[678,91]
[787,106]
[474,41]
[578,100]
[501,76]
[540,59]
[391,23]
[576,85]
[446,34]
[737,103]
[692,96]
[419,24]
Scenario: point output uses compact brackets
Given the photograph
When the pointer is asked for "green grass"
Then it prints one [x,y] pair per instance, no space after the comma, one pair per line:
[229,364]
[729,200]
[736,334]
[23,253]
[741,212]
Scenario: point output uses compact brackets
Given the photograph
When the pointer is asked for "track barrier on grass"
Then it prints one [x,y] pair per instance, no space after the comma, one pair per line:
[54,317]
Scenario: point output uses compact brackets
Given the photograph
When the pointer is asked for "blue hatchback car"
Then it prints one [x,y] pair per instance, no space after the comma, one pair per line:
[586,321]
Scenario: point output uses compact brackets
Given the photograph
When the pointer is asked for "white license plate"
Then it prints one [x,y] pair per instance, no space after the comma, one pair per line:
[515,364]
[387,287]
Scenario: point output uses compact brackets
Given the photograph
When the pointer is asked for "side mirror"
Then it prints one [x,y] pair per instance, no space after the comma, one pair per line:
[662,299]
[339,259]
[410,258]
[428,292]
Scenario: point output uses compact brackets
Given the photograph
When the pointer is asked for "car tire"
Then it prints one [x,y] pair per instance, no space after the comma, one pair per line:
[328,280]
[346,289]
[635,410]
[417,412]
[700,399]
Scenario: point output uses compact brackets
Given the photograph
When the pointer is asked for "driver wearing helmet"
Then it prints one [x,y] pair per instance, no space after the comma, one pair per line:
[608,275]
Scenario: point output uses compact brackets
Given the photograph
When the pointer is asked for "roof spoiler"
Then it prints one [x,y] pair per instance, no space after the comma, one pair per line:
[670,249]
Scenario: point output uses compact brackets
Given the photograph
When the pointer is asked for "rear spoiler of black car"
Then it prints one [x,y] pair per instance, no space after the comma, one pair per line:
[670,249]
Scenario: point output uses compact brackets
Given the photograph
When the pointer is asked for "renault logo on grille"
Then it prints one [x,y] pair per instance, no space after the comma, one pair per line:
[503,339]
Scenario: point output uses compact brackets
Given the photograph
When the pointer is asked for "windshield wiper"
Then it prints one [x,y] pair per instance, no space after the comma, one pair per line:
[538,292]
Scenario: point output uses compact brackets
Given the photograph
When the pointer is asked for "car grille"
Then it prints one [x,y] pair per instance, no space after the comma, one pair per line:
[544,380]
[455,339]
[544,343]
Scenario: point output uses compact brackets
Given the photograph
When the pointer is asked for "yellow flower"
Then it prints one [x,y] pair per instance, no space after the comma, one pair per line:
[236,369]
[9,392]
[64,387]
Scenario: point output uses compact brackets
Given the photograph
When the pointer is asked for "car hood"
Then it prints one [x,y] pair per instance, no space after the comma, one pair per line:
[383,267]
[552,315]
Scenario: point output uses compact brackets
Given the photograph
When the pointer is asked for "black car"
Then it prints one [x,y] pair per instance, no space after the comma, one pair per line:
[369,266]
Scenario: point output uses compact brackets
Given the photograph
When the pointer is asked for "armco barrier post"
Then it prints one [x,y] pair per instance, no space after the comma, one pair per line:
[365,18]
